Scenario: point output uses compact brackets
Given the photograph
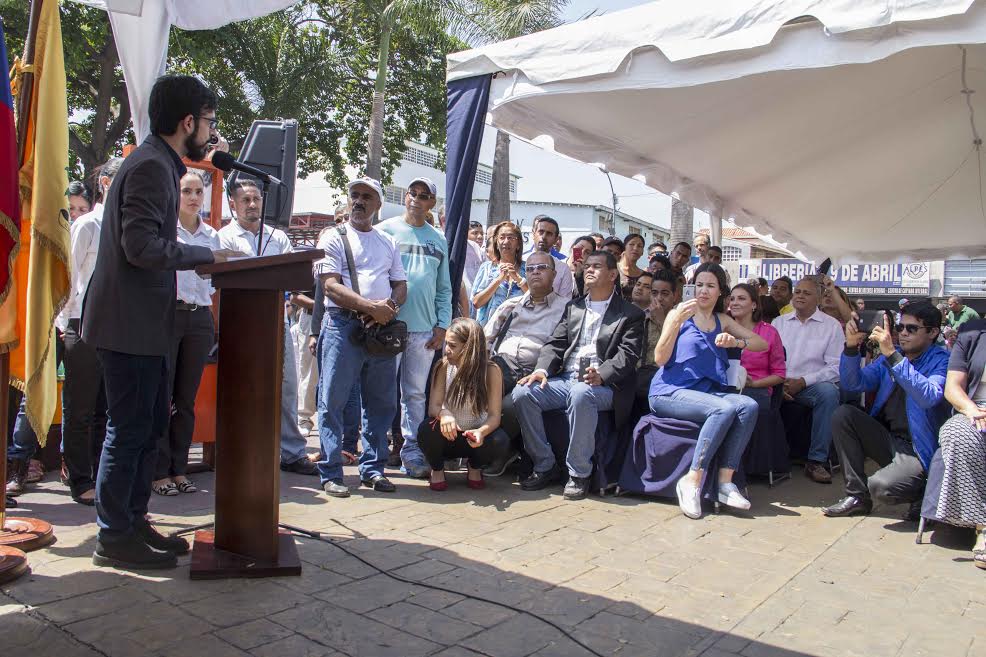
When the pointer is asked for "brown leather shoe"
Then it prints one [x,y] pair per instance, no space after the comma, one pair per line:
[817,473]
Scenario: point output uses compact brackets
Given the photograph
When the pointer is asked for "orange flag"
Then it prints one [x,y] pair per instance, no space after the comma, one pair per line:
[44,203]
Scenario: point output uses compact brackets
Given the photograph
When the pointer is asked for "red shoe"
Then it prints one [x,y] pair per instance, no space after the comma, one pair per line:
[438,485]
[476,484]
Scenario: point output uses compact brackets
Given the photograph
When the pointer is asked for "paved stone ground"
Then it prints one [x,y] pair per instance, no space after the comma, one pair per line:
[627,576]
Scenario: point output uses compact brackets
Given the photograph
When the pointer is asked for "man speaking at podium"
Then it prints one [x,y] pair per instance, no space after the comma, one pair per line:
[128,316]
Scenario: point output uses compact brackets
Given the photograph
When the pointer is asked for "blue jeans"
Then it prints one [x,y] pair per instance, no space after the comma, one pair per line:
[293,444]
[823,399]
[351,420]
[23,442]
[415,364]
[727,423]
[137,413]
[344,365]
[582,404]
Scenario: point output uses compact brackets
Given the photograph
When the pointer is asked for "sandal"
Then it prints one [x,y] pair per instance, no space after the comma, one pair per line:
[186,486]
[35,471]
[168,490]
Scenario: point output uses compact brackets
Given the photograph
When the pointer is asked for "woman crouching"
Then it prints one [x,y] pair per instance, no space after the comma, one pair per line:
[464,410]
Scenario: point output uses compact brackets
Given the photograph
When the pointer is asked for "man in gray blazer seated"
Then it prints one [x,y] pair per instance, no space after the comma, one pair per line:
[128,313]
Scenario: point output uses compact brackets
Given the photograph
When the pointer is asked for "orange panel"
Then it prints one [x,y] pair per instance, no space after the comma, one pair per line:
[205,407]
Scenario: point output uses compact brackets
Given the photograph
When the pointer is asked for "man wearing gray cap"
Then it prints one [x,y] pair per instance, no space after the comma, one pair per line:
[427,311]
[382,289]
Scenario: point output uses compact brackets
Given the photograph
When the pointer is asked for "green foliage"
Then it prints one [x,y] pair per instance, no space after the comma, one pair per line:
[315,64]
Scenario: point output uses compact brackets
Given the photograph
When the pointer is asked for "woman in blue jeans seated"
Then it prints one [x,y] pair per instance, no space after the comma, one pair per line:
[464,407]
[691,385]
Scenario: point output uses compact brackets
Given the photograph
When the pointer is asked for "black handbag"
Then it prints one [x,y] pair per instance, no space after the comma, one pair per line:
[389,339]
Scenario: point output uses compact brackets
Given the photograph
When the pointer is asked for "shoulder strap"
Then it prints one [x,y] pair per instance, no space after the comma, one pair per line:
[353,279]
[502,333]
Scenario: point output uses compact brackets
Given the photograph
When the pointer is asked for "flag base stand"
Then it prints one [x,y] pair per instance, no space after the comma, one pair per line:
[13,564]
[25,534]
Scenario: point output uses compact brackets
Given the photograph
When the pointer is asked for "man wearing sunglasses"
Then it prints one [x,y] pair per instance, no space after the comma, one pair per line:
[900,432]
[427,310]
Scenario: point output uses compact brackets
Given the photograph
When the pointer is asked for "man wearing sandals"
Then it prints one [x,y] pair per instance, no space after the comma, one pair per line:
[375,297]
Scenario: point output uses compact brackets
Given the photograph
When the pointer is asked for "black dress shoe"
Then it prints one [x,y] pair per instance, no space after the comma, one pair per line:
[379,483]
[301,466]
[539,480]
[576,488]
[159,541]
[849,506]
[11,503]
[913,513]
[132,553]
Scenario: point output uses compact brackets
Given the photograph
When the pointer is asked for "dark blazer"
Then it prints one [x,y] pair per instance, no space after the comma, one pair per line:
[130,303]
[618,346]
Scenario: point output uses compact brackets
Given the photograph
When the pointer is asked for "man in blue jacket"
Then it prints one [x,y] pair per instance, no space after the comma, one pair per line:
[901,431]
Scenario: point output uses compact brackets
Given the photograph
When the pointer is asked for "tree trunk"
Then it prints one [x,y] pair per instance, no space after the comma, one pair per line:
[374,155]
[682,222]
[499,208]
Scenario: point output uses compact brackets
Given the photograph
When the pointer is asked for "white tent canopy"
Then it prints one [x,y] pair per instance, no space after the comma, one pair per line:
[839,127]
[141,28]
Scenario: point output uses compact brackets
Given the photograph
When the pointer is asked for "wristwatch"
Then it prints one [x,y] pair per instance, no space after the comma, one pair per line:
[745,343]
[393,304]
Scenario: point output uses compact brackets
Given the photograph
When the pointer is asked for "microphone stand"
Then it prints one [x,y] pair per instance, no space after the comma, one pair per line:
[263,215]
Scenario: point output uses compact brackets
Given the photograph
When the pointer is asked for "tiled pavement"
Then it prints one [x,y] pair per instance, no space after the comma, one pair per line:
[626,576]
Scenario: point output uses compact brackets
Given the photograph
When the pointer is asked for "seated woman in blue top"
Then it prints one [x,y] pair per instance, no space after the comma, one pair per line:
[691,385]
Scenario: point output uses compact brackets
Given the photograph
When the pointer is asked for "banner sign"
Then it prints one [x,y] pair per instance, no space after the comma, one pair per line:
[898,279]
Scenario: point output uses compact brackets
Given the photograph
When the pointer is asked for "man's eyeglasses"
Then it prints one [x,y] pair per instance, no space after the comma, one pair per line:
[538,267]
[213,123]
[424,196]
[911,328]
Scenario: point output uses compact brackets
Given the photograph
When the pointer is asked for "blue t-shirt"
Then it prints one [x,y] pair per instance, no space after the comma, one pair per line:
[484,277]
[424,254]
[696,362]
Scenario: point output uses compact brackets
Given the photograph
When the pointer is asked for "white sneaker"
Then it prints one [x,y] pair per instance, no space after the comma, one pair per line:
[689,498]
[730,496]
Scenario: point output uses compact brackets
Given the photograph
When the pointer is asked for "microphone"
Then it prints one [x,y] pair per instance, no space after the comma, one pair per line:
[226,162]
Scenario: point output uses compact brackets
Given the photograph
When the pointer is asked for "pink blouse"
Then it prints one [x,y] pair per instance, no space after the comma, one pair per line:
[760,364]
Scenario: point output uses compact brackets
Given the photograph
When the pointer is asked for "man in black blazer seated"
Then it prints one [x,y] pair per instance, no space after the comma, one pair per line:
[588,365]
[128,314]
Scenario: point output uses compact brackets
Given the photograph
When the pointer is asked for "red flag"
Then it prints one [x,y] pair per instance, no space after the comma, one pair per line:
[10,212]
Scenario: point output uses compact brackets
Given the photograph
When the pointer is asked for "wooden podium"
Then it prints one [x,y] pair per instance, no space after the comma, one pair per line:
[246,541]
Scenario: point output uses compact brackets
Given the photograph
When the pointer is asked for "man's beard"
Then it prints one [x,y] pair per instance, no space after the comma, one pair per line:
[193,151]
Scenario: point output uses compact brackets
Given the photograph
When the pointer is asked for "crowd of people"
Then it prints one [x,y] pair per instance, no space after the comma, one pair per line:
[527,332]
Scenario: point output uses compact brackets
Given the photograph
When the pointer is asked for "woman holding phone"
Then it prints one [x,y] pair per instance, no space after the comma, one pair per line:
[691,385]
[501,277]
[464,409]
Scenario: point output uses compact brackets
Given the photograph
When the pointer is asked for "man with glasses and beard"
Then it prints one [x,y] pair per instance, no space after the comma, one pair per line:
[900,432]
[128,316]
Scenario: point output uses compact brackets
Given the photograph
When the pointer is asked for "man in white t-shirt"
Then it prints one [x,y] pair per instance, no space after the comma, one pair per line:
[382,289]
[247,203]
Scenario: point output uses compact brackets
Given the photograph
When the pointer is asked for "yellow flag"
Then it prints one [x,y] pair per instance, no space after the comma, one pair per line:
[44,189]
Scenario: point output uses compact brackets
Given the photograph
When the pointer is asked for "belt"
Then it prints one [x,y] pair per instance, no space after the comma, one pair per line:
[184,305]
[342,312]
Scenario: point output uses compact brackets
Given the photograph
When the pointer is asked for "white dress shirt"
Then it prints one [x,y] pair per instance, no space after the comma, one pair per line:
[192,288]
[593,321]
[234,236]
[84,235]
[813,347]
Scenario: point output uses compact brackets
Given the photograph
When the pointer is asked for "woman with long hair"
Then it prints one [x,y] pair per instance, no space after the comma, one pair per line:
[194,335]
[503,276]
[633,248]
[464,409]
[691,385]
[764,369]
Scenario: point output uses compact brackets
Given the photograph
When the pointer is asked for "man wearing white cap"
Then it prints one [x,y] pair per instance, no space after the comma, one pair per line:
[382,288]
[427,311]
